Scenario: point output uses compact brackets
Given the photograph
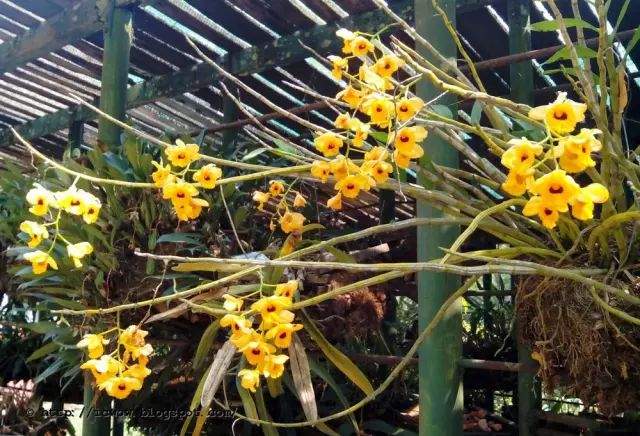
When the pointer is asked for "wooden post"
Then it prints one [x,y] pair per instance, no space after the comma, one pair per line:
[118,33]
[441,399]
[522,87]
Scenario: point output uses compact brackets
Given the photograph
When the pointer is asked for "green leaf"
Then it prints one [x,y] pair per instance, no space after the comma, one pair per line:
[43,351]
[51,369]
[551,25]
[299,365]
[187,238]
[323,373]
[342,362]
[634,40]
[340,255]
[379,136]
[564,53]
[476,112]
[206,341]
[442,110]
[253,154]
[268,430]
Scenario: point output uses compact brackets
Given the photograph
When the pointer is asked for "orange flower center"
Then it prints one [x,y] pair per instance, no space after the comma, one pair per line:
[560,115]
[548,212]
[283,335]
[556,189]
[271,309]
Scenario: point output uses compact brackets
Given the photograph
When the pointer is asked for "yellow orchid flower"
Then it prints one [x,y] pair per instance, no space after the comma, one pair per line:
[161,175]
[342,166]
[521,154]
[556,189]
[360,46]
[71,200]
[273,310]
[407,108]
[231,303]
[320,170]
[120,387]
[37,232]
[133,340]
[179,192]
[547,212]
[91,207]
[376,153]
[273,365]
[276,187]
[286,289]
[103,368]
[379,170]
[77,251]
[94,345]
[380,110]
[181,154]
[583,203]
[40,261]
[351,96]
[249,379]
[387,65]
[518,181]
[40,200]
[256,351]
[342,121]
[406,139]
[207,176]
[329,144]
[351,185]
[281,334]
[335,202]
[561,116]
[574,152]
[347,36]
[338,66]
[292,222]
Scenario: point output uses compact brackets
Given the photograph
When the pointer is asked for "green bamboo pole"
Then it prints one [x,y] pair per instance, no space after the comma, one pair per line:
[521,82]
[440,375]
[75,137]
[113,100]
[118,33]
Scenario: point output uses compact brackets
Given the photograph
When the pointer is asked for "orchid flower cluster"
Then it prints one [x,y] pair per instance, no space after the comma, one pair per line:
[289,221]
[118,373]
[262,347]
[173,182]
[50,207]
[553,192]
[376,100]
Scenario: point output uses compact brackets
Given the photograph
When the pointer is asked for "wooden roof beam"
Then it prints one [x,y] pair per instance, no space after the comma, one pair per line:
[282,51]
[79,21]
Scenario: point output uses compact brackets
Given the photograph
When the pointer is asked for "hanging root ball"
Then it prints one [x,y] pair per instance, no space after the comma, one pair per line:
[583,350]
[356,314]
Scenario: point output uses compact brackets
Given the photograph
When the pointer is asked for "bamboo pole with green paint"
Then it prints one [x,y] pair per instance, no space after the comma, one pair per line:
[440,376]
[521,81]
